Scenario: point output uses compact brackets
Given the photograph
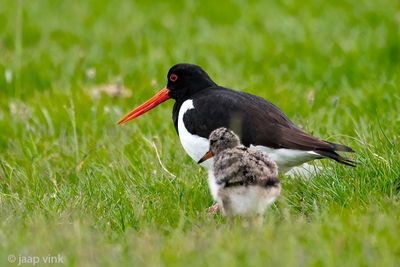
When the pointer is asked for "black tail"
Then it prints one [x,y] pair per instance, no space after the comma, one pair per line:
[339,147]
[335,156]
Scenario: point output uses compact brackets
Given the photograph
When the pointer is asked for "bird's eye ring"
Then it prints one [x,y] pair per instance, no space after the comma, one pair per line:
[173,77]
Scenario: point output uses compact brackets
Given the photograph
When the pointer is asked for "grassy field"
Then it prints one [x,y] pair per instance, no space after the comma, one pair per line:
[74,184]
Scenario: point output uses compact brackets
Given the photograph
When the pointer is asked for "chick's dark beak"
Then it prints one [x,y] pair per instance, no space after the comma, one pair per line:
[208,155]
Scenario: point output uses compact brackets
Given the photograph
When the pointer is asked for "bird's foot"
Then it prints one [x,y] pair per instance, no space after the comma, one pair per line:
[259,221]
[213,209]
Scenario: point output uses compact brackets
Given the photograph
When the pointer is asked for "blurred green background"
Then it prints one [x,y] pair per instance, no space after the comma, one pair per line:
[75,183]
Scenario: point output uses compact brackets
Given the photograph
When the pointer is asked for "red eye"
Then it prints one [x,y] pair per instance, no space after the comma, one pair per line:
[173,77]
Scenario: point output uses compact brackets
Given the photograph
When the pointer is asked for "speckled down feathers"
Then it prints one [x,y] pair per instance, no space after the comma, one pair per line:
[245,179]
[242,165]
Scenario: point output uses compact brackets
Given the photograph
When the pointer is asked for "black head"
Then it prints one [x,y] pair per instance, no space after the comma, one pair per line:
[184,80]
[187,79]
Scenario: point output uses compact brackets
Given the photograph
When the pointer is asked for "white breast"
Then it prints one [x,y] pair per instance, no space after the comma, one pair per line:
[246,200]
[195,146]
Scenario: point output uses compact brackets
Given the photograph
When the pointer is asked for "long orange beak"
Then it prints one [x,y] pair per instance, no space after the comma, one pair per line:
[146,106]
[208,155]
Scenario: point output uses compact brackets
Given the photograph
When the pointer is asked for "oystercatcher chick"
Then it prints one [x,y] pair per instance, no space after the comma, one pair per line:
[246,181]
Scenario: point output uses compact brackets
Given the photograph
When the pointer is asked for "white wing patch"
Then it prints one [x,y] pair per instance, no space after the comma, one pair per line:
[288,158]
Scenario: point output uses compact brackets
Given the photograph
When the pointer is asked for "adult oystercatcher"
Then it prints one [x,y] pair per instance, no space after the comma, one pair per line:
[246,181]
[202,106]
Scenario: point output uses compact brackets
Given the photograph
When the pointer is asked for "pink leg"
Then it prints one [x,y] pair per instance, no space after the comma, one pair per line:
[213,209]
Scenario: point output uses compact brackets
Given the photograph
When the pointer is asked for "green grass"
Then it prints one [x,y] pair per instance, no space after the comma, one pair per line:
[72,182]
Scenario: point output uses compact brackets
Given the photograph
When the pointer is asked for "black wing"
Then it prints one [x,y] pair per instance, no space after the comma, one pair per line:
[255,120]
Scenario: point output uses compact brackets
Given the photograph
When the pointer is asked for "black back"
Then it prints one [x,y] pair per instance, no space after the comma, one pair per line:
[255,120]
